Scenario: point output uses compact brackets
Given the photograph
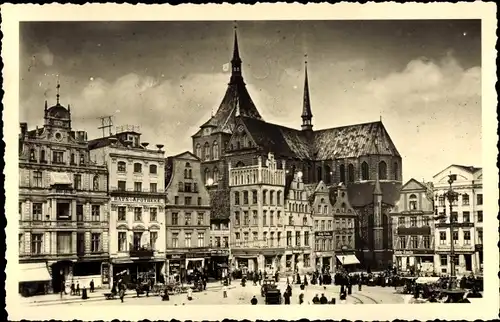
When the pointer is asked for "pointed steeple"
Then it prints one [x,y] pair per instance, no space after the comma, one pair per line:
[306,108]
[57,90]
[236,75]
[45,106]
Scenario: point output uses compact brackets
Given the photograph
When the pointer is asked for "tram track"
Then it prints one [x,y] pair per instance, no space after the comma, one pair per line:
[371,299]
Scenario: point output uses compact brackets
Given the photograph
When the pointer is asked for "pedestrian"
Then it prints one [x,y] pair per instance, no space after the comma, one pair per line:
[122,291]
[323,299]
[92,286]
[190,294]
[315,299]
[254,300]
[224,291]
[305,280]
[360,285]
[204,283]
[333,300]
[78,288]
[72,288]
[301,298]
[287,297]
[289,289]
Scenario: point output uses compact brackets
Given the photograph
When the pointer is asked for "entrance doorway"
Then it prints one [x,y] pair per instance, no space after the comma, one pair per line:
[468,262]
[61,273]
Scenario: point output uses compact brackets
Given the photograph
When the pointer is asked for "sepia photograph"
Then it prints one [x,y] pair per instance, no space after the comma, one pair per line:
[172,163]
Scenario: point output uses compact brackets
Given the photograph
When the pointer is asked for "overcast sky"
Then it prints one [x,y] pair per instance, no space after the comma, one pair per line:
[422,77]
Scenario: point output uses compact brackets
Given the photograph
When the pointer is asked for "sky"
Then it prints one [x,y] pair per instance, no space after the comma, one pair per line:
[421,77]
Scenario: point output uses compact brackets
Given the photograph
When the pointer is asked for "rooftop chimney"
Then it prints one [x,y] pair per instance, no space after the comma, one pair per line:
[24,128]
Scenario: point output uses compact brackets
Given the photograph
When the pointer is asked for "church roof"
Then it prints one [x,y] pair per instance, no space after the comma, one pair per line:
[329,144]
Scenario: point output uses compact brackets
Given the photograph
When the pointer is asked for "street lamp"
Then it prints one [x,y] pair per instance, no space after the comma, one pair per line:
[451,196]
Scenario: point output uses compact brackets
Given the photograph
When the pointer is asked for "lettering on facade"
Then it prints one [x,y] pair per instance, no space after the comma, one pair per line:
[403,252]
[324,234]
[136,199]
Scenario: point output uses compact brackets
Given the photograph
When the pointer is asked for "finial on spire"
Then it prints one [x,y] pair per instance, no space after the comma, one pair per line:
[57,89]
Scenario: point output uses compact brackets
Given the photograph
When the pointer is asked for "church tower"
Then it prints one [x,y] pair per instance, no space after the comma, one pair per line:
[306,108]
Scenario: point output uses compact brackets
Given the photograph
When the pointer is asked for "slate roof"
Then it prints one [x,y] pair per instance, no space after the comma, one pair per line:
[329,144]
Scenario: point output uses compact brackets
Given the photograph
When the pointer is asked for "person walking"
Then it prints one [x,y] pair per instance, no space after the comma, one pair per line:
[224,291]
[121,287]
[78,288]
[72,288]
[92,286]
[254,300]
[287,297]
[301,297]
[190,294]
[323,299]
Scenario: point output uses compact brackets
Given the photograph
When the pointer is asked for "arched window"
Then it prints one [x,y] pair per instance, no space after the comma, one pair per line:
[319,173]
[240,164]
[328,174]
[365,171]
[96,183]
[413,202]
[304,221]
[236,197]
[396,171]
[215,150]
[198,150]
[350,173]
[271,197]
[137,167]
[216,175]
[206,176]
[42,156]
[238,145]
[122,166]
[382,170]
[343,207]
[186,175]
[342,173]
[32,155]
[153,169]
[206,151]
[264,197]
[325,209]
[278,198]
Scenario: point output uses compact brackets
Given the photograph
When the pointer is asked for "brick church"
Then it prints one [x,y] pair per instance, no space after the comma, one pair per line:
[362,157]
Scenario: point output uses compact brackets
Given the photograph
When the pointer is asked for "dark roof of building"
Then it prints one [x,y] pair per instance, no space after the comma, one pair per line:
[58,111]
[342,142]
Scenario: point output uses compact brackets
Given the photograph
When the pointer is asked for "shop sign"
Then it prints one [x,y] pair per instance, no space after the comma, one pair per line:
[174,256]
[136,199]
[105,273]
[324,234]
[196,255]
[219,252]
[403,252]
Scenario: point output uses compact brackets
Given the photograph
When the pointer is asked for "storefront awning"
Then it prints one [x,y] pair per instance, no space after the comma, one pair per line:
[59,178]
[348,259]
[34,272]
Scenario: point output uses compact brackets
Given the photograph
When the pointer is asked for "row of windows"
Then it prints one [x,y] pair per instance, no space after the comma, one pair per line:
[122,186]
[347,173]
[187,187]
[62,212]
[138,214]
[465,199]
[466,217]
[271,201]
[63,243]
[122,167]
[57,157]
[328,224]
[187,219]
[209,153]
[187,241]
[208,177]
[413,242]
[136,240]
[414,221]
[37,181]
[303,208]
[255,218]
[443,237]
[188,201]
[327,244]
[219,242]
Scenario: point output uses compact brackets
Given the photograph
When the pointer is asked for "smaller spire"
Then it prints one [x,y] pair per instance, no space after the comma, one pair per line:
[57,90]
[306,108]
[236,50]
[46,106]
[69,108]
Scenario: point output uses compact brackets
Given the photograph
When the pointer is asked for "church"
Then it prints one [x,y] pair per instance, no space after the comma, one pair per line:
[361,158]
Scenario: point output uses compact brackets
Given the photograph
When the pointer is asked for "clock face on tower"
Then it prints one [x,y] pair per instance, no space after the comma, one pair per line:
[58,136]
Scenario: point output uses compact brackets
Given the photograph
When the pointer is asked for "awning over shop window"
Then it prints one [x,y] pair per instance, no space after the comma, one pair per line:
[348,259]
[60,178]
[34,272]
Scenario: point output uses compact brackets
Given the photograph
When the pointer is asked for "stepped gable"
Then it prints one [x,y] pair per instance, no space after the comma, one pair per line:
[352,141]
[283,141]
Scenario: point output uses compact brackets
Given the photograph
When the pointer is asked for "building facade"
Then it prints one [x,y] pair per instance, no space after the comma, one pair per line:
[63,214]
[298,228]
[187,217]
[322,215]
[467,216]
[257,216]
[354,155]
[220,247]
[414,228]
[137,203]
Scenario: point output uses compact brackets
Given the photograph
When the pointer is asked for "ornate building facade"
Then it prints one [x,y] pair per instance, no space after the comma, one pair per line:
[187,217]
[413,219]
[137,202]
[467,216]
[63,214]
[354,155]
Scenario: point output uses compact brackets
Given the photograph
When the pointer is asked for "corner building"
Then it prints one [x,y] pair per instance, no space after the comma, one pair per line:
[63,215]
[354,155]
[137,202]
[467,216]
[187,218]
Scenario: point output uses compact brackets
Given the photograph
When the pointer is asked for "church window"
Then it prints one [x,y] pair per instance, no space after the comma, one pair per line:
[350,172]
[365,171]
[319,173]
[216,175]
[198,150]
[206,151]
[382,170]
[328,173]
[207,176]
[413,202]
[215,150]
[395,171]
[73,162]
[238,145]
[342,173]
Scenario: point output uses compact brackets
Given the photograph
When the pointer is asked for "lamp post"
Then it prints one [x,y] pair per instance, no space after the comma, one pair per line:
[451,196]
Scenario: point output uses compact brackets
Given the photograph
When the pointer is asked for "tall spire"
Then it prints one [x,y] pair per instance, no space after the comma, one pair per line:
[236,60]
[306,109]
[57,90]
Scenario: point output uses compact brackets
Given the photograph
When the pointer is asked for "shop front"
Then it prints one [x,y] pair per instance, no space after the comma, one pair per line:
[219,263]
[180,267]
[34,279]
[347,260]
[324,262]
[137,271]
[415,261]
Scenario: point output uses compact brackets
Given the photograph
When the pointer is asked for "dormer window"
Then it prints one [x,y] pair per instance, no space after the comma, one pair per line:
[82,159]
[32,155]
[413,202]
[137,168]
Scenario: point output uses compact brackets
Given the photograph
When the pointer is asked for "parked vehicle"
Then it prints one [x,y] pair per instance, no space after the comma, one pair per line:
[267,284]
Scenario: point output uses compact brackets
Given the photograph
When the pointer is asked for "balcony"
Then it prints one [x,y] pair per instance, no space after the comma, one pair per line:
[425,230]
[141,252]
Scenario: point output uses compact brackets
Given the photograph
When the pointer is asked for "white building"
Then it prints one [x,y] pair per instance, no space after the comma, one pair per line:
[467,215]
[137,203]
